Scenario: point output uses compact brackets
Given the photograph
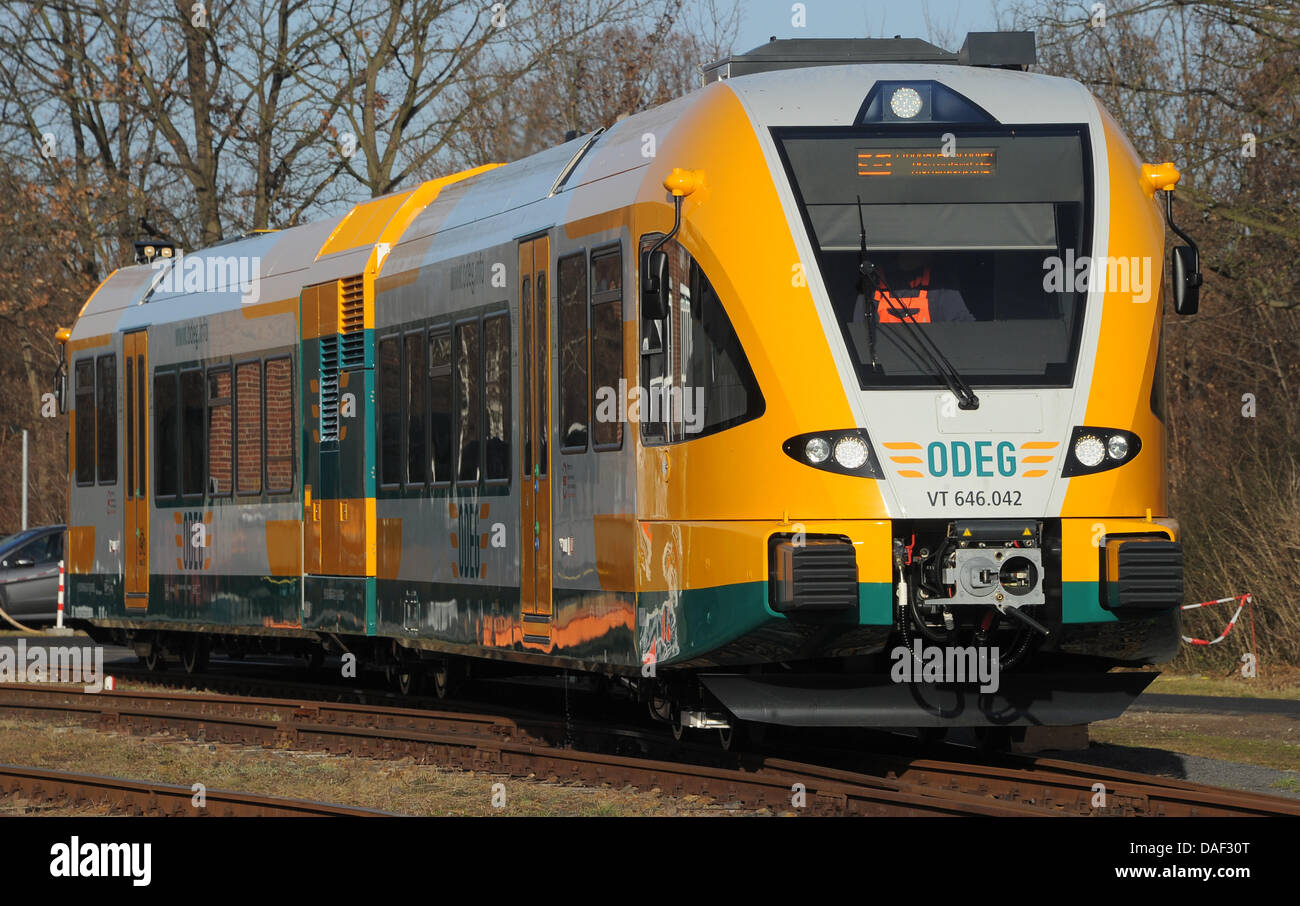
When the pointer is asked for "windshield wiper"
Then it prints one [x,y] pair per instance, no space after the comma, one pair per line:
[867,275]
[918,343]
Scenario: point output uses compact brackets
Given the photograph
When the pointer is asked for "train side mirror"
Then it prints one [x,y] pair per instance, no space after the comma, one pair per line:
[1187,279]
[654,285]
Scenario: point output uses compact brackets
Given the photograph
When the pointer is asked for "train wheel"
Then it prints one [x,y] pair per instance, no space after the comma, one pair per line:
[194,656]
[445,682]
[154,660]
[742,734]
[679,728]
[410,681]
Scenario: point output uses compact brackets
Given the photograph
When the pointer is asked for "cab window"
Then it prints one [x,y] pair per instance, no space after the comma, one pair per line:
[695,377]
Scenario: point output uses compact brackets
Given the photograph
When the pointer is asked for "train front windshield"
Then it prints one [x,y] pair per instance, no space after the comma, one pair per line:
[979,238]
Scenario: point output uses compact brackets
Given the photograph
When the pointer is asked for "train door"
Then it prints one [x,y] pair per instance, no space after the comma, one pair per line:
[135,503]
[336,523]
[535,489]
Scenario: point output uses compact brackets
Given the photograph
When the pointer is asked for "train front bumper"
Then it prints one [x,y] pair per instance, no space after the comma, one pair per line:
[1020,700]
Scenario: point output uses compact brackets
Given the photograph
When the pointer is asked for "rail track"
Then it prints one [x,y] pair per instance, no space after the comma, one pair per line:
[140,797]
[523,744]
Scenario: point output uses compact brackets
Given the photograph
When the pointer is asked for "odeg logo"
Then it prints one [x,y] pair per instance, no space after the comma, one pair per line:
[960,459]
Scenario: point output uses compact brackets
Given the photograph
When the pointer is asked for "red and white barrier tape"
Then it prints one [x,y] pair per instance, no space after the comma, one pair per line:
[1244,599]
[59,619]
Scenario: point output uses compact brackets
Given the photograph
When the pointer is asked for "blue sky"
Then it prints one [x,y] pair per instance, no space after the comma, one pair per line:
[761,19]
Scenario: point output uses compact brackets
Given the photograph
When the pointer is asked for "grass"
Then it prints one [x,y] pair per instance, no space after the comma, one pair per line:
[1277,683]
[399,785]
[1271,741]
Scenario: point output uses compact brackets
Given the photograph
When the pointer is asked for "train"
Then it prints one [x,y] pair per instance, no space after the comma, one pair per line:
[782,403]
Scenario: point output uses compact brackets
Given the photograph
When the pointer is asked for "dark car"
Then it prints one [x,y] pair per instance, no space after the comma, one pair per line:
[29,573]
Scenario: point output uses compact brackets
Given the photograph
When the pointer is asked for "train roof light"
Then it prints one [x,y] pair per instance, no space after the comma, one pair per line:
[905,102]
[919,101]
[147,250]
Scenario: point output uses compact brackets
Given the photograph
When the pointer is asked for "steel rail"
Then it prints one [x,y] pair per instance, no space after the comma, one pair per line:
[148,797]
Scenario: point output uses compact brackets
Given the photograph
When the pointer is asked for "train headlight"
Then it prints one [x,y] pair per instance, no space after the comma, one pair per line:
[844,452]
[1089,450]
[1094,449]
[851,452]
[905,102]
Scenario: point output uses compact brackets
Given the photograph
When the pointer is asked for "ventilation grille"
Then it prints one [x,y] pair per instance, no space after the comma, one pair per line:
[820,573]
[1150,575]
[352,323]
[329,389]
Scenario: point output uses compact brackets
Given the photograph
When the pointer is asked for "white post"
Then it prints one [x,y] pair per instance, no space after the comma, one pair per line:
[24,479]
[59,620]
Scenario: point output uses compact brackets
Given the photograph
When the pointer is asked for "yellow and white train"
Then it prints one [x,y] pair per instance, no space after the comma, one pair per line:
[748,401]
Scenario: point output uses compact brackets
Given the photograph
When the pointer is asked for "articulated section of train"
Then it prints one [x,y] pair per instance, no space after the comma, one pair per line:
[734,401]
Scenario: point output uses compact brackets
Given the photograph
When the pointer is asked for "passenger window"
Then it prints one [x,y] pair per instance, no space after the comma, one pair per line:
[440,404]
[607,346]
[106,409]
[417,461]
[496,402]
[221,450]
[84,375]
[192,416]
[166,434]
[279,426]
[467,402]
[571,284]
[248,427]
[390,411]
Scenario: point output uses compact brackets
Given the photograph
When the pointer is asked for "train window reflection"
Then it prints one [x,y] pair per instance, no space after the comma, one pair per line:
[279,426]
[607,340]
[696,380]
[496,396]
[248,427]
[467,402]
[417,462]
[221,448]
[571,286]
[440,404]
